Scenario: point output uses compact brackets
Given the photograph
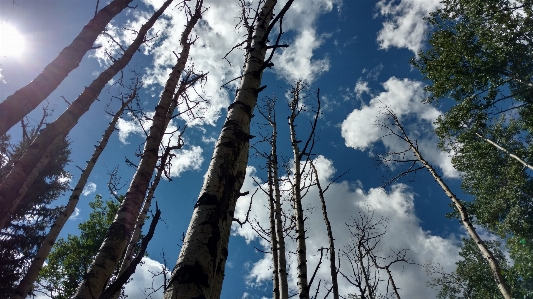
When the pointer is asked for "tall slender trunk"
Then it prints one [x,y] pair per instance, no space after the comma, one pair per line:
[301,251]
[465,219]
[128,255]
[120,231]
[505,151]
[273,236]
[26,283]
[24,100]
[333,268]
[199,271]
[282,261]
[15,185]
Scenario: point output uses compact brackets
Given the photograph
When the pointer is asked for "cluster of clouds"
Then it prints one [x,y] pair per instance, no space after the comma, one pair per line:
[345,201]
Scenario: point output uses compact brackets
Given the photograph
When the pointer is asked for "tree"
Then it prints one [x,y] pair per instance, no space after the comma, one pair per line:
[14,186]
[26,283]
[25,229]
[70,258]
[24,100]
[199,270]
[121,229]
[473,278]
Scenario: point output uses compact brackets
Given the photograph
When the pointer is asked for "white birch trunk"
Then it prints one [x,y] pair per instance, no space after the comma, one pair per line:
[24,100]
[282,261]
[199,271]
[301,251]
[121,229]
[15,185]
[505,151]
[26,283]
[273,236]
[333,268]
[487,254]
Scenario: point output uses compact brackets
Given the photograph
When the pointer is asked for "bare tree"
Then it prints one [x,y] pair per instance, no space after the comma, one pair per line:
[459,206]
[199,271]
[15,185]
[24,100]
[26,283]
[121,230]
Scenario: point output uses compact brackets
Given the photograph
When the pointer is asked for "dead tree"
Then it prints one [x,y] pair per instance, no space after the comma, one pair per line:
[459,206]
[121,230]
[199,271]
[26,283]
[15,185]
[364,258]
[24,100]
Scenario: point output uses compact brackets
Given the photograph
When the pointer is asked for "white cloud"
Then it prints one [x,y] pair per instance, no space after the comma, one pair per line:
[361,87]
[345,200]
[75,215]
[363,127]
[145,282]
[89,188]
[406,27]
[185,159]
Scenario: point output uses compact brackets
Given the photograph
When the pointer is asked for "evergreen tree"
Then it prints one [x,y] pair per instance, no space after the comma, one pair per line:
[28,223]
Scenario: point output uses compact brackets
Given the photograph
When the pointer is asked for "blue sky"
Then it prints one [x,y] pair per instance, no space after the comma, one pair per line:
[356,52]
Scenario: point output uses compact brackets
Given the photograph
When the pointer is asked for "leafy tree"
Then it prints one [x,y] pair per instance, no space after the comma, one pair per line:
[70,258]
[473,277]
[27,225]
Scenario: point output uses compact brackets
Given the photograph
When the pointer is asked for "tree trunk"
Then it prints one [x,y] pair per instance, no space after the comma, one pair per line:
[26,283]
[505,151]
[282,261]
[14,186]
[199,271]
[465,219]
[121,229]
[273,236]
[24,100]
[333,268]
[301,251]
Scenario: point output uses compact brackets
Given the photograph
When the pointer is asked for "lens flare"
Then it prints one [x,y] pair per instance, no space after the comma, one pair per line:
[11,41]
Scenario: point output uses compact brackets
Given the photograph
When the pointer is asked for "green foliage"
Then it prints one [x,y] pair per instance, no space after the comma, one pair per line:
[473,277]
[69,259]
[481,57]
[22,236]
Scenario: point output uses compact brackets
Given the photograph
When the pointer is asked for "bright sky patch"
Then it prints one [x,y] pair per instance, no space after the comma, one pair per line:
[11,41]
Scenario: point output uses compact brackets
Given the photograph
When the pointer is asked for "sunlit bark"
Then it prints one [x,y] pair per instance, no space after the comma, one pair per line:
[15,185]
[24,100]
[199,271]
[26,283]
[121,229]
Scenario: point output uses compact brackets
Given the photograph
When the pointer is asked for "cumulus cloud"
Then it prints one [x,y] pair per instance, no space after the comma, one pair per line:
[89,188]
[187,158]
[405,26]
[344,201]
[362,128]
[75,215]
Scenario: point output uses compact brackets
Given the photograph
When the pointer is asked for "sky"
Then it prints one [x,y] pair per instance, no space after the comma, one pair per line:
[356,52]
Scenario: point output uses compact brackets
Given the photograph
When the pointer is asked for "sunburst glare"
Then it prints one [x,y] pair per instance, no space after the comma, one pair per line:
[11,41]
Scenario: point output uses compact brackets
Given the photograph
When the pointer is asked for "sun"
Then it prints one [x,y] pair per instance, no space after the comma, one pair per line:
[11,41]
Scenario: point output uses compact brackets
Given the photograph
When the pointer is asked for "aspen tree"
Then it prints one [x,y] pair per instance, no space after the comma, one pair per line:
[120,231]
[273,235]
[24,100]
[15,185]
[26,283]
[199,271]
[461,209]
[301,251]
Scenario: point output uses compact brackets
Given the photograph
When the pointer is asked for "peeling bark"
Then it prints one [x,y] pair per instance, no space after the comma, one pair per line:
[24,100]
[199,271]
[121,229]
[15,185]
[26,283]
